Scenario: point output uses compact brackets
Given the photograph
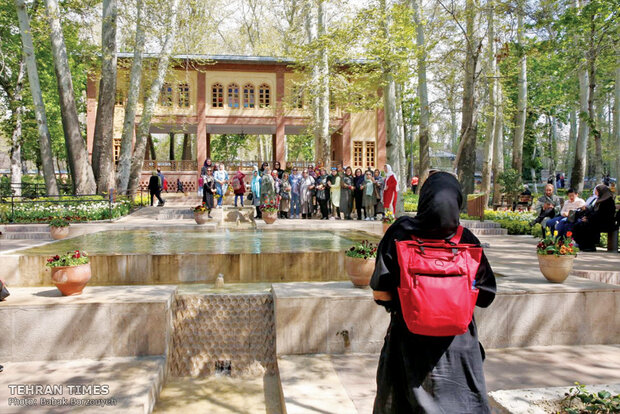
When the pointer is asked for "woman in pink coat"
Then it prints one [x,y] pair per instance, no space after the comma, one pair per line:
[389,193]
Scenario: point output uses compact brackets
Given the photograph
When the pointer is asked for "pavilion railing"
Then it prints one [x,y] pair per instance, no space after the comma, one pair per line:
[169,165]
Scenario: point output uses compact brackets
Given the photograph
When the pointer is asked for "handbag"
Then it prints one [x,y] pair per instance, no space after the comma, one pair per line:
[250,197]
[572,216]
[4,292]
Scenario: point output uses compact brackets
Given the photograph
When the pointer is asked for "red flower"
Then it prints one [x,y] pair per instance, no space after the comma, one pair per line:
[56,257]
[569,234]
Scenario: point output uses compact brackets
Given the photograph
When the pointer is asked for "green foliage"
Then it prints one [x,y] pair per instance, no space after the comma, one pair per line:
[601,402]
[74,258]
[226,147]
[58,222]
[511,185]
[516,222]
[411,201]
[362,250]
[300,147]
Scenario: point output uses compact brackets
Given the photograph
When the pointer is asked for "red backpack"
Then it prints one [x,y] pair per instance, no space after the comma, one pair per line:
[437,289]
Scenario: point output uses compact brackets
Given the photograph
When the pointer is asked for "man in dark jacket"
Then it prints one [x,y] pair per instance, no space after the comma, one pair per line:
[155,189]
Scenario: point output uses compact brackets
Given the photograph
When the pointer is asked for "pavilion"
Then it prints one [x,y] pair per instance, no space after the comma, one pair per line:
[251,95]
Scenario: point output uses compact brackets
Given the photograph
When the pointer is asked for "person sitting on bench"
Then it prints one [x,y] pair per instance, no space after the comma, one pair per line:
[565,221]
[597,219]
[548,206]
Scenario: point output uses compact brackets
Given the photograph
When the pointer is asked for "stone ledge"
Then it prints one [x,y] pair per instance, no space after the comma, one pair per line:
[134,383]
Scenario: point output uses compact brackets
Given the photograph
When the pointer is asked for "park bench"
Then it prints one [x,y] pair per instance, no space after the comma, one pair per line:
[502,205]
[525,202]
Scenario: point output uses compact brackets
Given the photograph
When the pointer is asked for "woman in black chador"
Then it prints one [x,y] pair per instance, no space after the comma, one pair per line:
[429,374]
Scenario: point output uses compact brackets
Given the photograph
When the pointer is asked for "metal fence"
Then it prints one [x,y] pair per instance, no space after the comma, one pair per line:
[31,190]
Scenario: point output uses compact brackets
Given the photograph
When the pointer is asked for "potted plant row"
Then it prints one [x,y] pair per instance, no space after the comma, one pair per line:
[359,263]
[70,272]
[555,255]
[59,228]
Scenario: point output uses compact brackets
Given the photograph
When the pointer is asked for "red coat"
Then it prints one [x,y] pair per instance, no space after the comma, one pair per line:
[389,194]
[240,190]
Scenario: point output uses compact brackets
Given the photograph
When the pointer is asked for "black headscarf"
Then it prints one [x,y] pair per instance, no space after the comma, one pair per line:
[604,193]
[438,208]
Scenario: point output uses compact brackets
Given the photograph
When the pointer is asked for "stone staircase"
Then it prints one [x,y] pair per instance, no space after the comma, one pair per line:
[26,232]
[484,228]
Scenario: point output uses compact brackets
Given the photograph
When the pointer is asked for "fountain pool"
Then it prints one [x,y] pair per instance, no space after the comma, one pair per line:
[169,256]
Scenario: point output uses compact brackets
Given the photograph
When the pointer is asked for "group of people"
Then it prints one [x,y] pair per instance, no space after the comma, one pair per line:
[213,184]
[585,219]
[335,195]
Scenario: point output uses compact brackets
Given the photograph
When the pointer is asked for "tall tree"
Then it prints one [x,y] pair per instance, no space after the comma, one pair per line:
[465,161]
[45,142]
[81,171]
[617,110]
[519,134]
[135,78]
[498,144]
[16,137]
[187,148]
[394,141]
[172,144]
[324,141]
[153,96]
[491,83]
[425,158]
[103,152]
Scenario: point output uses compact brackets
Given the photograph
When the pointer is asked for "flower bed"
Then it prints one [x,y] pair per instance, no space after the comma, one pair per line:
[516,222]
[42,211]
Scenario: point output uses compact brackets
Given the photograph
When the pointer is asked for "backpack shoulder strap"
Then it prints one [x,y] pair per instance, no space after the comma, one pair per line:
[457,236]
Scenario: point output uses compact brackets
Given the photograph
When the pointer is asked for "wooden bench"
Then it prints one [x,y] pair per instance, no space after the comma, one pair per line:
[502,205]
[525,202]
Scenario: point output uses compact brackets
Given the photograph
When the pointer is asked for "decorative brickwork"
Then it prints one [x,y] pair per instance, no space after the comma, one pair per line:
[216,328]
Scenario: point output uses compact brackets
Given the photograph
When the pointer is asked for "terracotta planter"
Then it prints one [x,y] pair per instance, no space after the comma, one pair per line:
[555,268]
[386,226]
[70,280]
[201,218]
[58,233]
[359,270]
[270,217]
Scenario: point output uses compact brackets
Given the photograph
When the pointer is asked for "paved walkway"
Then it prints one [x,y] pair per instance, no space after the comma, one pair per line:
[504,369]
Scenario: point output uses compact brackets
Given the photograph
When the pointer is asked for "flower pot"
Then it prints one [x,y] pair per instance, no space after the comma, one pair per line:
[270,216]
[70,280]
[359,270]
[58,233]
[555,268]
[201,218]
[386,226]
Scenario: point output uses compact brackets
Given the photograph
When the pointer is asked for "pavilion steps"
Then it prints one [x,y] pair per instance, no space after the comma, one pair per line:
[26,232]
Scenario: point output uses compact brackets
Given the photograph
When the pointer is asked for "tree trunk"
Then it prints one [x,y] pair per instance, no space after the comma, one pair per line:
[579,166]
[517,148]
[466,155]
[77,155]
[153,96]
[45,144]
[487,162]
[552,148]
[425,157]
[324,140]
[171,154]
[594,127]
[187,147]
[312,20]
[572,140]
[498,144]
[124,162]
[16,137]
[103,150]
[617,116]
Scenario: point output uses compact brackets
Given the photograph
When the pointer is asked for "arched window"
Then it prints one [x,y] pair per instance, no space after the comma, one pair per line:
[217,95]
[233,95]
[165,96]
[264,96]
[248,96]
[183,95]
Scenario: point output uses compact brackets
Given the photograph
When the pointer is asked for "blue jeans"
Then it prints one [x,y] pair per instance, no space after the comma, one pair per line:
[295,204]
[238,196]
[554,222]
[219,191]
